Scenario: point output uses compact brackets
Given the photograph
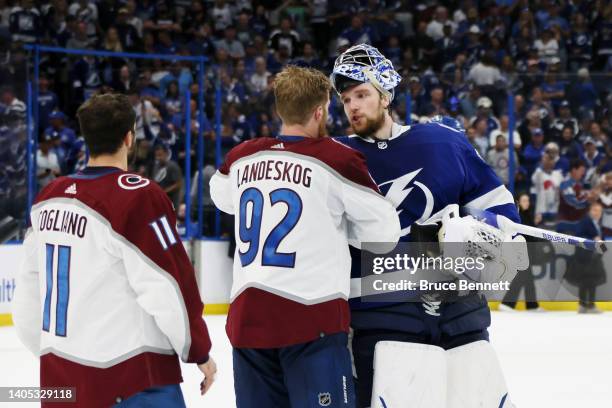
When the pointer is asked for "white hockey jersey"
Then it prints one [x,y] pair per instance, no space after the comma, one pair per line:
[296,201]
[107,295]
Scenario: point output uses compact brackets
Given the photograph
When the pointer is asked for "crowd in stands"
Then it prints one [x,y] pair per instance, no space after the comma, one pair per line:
[457,58]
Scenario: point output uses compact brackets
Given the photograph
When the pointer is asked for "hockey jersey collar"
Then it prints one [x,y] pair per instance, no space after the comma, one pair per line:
[289,138]
[95,172]
[396,131]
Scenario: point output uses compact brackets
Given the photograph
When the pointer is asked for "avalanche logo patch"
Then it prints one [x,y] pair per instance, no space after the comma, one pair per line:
[132,181]
[324,399]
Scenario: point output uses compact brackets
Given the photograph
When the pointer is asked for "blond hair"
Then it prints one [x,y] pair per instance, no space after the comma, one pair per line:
[298,92]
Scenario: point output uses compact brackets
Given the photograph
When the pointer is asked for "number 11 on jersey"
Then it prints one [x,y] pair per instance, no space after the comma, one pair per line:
[63,288]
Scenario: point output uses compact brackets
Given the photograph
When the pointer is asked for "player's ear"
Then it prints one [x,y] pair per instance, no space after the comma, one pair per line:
[318,113]
[385,101]
[129,139]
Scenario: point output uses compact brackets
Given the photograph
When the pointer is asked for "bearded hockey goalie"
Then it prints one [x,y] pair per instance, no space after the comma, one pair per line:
[421,169]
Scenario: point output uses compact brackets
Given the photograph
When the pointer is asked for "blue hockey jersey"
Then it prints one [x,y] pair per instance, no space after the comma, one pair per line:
[425,167]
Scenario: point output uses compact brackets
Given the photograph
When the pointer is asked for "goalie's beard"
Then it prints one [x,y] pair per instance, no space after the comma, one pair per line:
[372,125]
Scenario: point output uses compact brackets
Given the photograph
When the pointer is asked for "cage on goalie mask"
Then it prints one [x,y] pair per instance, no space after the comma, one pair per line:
[365,64]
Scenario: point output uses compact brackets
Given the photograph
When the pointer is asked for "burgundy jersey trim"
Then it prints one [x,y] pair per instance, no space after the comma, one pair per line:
[259,319]
[343,160]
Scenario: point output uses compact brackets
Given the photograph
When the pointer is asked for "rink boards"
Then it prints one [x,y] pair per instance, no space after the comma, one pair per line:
[214,273]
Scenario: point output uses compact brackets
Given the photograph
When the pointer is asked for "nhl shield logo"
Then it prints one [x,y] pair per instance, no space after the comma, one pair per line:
[324,399]
[382,145]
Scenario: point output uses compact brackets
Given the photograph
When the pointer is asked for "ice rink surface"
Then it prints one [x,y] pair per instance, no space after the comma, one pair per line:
[551,359]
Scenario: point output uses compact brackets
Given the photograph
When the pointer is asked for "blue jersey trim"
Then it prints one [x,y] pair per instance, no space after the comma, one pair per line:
[90,173]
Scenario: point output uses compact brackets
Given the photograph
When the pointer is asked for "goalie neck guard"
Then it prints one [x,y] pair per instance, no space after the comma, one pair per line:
[364,64]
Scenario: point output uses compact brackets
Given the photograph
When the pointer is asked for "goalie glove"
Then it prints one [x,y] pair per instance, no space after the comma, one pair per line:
[503,255]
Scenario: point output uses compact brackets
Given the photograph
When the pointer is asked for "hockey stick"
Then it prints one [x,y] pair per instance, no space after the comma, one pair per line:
[505,224]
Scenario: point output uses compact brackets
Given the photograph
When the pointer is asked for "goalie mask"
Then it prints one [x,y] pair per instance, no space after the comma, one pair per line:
[365,64]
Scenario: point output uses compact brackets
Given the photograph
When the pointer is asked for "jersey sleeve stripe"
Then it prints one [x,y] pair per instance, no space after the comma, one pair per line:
[495,197]
[159,235]
[168,230]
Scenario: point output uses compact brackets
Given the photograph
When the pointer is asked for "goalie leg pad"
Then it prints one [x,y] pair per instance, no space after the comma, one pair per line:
[475,377]
[409,375]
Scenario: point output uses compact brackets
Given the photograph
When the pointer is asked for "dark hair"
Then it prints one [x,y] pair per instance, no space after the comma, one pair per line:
[105,120]
[575,164]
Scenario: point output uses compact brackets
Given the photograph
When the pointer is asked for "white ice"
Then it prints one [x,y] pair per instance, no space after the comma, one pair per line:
[551,359]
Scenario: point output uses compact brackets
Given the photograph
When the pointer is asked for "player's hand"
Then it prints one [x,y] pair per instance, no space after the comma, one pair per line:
[209,369]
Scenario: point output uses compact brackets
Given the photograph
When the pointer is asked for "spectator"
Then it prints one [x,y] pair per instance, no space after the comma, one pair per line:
[64,139]
[560,163]
[126,30]
[485,112]
[9,104]
[222,16]
[357,33]
[447,47]
[524,279]
[599,137]
[132,18]
[146,117]
[541,107]
[86,12]
[285,37]
[436,103]
[564,118]
[568,146]
[244,33]
[553,89]
[417,95]
[574,199]
[586,270]
[259,80]
[481,138]
[505,133]
[47,102]
[590,156]
[25,22]
[195,18]
[202,44]
[580,44]
[167,174]
[47,163]
[309,57]
[259,22]
[124,83]
[498,158]
[584,93]
[604,189]
[472,45]
[532,154]
[80,39]
[435,29]
[230,44]
[112,41]
[547,46]
[485,73]
[172,102]
[546,181]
